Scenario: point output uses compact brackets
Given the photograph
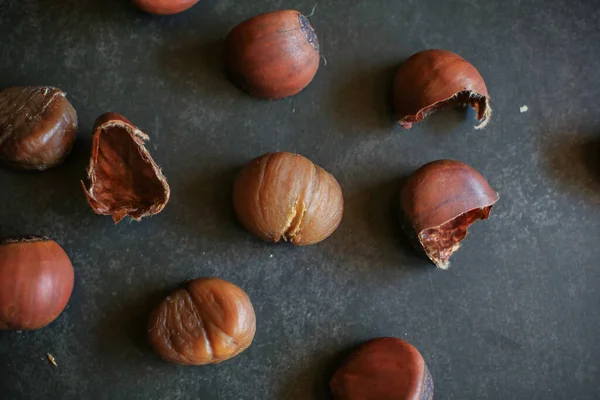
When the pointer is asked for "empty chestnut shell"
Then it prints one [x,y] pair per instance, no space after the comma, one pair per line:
[285,196]
[38,126]
[208,321]
[434,79]
[124,179]
[164,7]
[36,281]
[441,200]
[383,369]
[273,55]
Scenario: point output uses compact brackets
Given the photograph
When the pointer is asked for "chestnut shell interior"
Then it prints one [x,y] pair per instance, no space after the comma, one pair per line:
[124,178]
[442,241]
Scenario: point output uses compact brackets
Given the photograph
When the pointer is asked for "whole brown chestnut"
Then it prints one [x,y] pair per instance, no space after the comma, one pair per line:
[273,55]
[285,196]
[441,200]
[434,79]
[36,281]
[124,179]
[383,369]
[207,321]
[164,7]
[38,126]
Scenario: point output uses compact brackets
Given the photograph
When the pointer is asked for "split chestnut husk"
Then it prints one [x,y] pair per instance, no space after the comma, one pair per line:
[124,179]
[441,200]
[436,79]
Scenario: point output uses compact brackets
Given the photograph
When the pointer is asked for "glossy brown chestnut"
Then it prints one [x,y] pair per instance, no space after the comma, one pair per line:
[124,179]
[434,79]
[38,126]
[207,321]
[285,196]
[36,281]
[273,55]
[441,200]
[164,7]
[383,369]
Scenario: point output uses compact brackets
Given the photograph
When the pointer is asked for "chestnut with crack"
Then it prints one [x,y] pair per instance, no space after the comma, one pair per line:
[207,321]
[441,200]
[285,196]
[433,79]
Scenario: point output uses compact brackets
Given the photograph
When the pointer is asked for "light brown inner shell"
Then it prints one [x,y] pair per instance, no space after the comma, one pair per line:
[124,178]
[442,241]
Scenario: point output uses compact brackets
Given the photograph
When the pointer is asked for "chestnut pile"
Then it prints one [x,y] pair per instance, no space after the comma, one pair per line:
[277,196]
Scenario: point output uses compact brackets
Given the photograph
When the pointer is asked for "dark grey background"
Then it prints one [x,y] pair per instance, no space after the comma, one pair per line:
[517,316]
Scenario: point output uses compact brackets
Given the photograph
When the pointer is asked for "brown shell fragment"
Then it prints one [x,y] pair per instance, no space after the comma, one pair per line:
[434,79]
[286,196]
[441,200]
[383,369]
[38,126]
[124,179]
[207,321]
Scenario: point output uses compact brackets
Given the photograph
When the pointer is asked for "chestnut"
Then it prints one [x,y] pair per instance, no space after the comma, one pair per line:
[124,179]
[273,55]
[207,321]
[285,196]
[164,7]
[38,126]
[383,369]
[434,79]
[36,281]
[441,200]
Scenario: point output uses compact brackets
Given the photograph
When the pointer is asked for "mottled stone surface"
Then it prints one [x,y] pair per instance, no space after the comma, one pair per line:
[517,316]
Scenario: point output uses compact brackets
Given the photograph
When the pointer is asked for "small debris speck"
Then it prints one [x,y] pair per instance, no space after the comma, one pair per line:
[270,255]
[524,109]
[52,360]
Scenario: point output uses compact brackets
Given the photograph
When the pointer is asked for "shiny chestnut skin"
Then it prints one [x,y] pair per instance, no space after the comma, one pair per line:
[441,200]
[273,55]
[434,79]
[207,321]
[285,196]
[36,281]
[164,7]
[383,369]
[38,126]
[123,178]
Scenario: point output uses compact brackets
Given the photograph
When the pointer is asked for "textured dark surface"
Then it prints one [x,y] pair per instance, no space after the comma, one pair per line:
[517,316]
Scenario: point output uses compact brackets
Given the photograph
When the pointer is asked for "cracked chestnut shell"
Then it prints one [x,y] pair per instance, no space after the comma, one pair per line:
[273,55]
[123,178]
[441,200]
[207,321]
[285,196]
[164,7]
[434,79]
[383,369]
[38,126]
[36,281]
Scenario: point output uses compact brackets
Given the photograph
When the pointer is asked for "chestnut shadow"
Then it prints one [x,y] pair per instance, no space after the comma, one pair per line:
[197,63]
[573,159]
[312,383]
[57,189]
[204,205]
[122,334]
[362,101]
[371,232]
[445,121]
